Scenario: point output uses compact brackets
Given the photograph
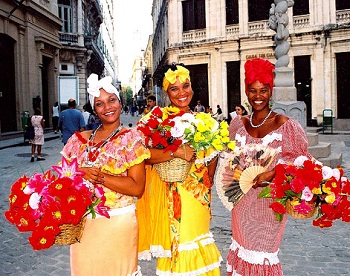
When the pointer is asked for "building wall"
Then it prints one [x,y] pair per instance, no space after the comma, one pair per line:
[321,35]
[34,28]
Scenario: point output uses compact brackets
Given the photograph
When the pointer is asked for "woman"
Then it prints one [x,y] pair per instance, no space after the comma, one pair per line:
[256,233]
[239,110]
[176,229]
[38,123]
[112,157]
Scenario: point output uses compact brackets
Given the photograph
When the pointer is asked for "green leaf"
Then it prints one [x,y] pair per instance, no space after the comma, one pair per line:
[279,216]
[265,193]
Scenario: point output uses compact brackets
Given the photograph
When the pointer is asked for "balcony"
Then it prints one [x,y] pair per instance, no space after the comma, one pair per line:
[343,17]
[194,35]
[69,39]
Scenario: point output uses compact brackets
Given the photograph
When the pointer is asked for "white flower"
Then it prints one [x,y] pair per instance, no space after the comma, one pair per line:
[34,201]
[299,161]
[307,195]
[336,174]
[327,172]
[179,128]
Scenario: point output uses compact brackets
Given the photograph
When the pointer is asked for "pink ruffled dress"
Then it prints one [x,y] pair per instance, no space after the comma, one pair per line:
[256,233]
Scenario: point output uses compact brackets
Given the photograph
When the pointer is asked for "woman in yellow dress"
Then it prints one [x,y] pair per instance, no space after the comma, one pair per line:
[175,217]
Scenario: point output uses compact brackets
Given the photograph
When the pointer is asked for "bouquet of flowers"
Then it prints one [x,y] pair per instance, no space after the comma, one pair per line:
[308,188]
[168,128]
[44,203]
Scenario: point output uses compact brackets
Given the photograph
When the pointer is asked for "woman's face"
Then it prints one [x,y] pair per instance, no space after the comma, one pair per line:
[239,110]
[107,107]
[259,95]
[180,94]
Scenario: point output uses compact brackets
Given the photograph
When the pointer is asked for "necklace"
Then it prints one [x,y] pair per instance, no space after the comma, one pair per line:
[263,122]
[93,150]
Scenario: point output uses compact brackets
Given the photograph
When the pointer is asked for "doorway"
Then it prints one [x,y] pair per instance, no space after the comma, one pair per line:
[343,84]
[199,82]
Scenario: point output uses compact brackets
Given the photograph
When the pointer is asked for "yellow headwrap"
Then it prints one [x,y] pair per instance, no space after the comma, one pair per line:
[170,76]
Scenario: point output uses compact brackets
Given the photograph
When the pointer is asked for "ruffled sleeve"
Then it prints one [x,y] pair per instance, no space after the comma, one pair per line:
[74,147]
[295,141]
[127,150]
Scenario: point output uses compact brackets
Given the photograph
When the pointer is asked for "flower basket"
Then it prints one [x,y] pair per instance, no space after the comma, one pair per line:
[292,212]
[173,170]
[70,233]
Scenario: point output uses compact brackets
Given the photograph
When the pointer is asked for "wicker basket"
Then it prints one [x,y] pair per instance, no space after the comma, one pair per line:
[70,233]
[173,170]
[295,214]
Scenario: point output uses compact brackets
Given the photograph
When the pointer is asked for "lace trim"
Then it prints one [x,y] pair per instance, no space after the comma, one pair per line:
[230,269]
[145,255]
[268,139]
[203,240]
[255,257]
[207,159]
[200,271]
[158,251]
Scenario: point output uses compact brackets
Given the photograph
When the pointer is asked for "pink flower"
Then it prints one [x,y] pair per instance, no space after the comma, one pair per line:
[307,195]
[303,208]
[68,170]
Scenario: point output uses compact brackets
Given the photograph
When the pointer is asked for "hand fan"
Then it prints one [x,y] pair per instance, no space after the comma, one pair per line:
[237,169]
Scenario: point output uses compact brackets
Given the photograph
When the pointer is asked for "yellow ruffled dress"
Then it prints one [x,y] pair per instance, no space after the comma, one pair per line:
[174,220]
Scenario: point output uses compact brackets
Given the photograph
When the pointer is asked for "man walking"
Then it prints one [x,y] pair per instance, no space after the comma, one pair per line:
[70,121]
[199,107]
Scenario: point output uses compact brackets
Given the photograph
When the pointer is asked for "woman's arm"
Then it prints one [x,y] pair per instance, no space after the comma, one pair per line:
[133,184]
[158,155]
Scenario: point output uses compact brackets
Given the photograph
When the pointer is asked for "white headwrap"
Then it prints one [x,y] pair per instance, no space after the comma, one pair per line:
[95,85]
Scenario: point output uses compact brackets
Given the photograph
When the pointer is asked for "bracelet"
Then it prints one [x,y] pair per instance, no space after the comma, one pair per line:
[172,155]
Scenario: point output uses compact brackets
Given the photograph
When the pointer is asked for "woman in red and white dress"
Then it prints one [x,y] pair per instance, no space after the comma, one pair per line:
[256,233]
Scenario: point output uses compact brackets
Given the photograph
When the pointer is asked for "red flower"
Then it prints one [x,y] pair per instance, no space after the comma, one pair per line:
[278,207]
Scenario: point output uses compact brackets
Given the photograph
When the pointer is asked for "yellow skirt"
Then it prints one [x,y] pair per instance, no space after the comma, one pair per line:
[107,247]
[184,248]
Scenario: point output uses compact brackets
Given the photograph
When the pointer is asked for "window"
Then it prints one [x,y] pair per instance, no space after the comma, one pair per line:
[232,12]
[342,4]
[259,9]
[301,7]
[65,13]
[193,12]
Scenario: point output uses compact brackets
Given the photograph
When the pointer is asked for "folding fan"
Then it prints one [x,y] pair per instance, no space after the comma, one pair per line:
[237,170]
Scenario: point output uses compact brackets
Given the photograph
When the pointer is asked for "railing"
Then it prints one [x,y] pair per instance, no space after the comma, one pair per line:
[194,35]
[232,30]
[343,16]
[301,21]
[258,26]
[67,38]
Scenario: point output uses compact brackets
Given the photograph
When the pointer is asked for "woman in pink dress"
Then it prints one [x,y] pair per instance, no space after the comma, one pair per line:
[256,233]
[111,157]
[38,123]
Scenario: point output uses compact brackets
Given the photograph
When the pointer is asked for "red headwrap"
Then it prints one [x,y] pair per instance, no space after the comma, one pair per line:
[259,69]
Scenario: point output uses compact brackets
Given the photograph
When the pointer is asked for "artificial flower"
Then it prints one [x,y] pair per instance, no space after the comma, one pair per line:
[306,184]
[42,203]
[168,128]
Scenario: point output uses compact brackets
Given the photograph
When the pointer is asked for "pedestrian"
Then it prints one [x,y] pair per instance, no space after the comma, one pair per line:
[199,107]
[55,116]
[179,231]
[87,111]
[70,121]
[256,234]
[38,123]
[151,102]
[219,115]
[111,157]
[239,110]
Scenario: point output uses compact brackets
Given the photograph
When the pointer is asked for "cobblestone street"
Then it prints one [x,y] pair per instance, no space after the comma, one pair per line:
[305,250]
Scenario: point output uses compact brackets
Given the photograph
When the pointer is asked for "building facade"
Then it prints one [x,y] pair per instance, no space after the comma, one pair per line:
[214,39]
[29,59]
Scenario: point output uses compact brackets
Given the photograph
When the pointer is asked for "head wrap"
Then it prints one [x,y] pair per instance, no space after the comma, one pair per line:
[170,76]
[259,69]
[95,85]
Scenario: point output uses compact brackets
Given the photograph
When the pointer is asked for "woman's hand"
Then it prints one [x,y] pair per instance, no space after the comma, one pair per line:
[263,179]
[185,152]
[94,175]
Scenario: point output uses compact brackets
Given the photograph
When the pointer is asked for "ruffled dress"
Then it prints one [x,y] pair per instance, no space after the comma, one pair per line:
[109,246]
[174,223]
[38,130]
[256,233]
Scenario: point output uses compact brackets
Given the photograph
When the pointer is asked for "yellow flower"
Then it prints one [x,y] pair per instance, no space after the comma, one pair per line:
[231,145]
[198,137]
[110,198]
[201,127]
[330,198]
[317,191]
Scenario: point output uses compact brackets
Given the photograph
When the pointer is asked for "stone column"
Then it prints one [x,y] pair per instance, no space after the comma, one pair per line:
[284,92]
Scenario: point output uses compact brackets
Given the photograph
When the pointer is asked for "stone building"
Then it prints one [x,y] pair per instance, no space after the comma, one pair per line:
[47,51]
[29,59]
[214,39]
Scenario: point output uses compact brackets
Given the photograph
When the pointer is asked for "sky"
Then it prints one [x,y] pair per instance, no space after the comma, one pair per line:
[133,27]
